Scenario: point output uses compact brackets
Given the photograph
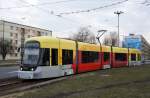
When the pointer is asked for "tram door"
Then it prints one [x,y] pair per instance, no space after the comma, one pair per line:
[45,58]
[54,57]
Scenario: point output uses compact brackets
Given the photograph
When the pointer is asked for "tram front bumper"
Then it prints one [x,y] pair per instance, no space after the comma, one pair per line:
[28,74]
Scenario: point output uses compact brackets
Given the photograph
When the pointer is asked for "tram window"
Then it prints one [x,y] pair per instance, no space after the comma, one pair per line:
[121,56]
[139,57]
[89,56]
[133,57]
[54,56]
[106,56]
[67,56]
[45,54]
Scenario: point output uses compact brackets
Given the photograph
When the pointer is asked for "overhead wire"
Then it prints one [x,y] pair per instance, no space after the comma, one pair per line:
[73,21]
[60,15]
[93,9]
[34,5]
[51,13]
[67,13]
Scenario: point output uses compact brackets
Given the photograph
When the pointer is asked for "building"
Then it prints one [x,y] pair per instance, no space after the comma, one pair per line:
[17,34]
[138,42]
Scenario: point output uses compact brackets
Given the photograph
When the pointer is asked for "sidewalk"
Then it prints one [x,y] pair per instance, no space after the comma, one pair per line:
[4,63]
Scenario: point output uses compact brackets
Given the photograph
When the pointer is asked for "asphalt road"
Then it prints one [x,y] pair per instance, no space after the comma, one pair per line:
[8,72]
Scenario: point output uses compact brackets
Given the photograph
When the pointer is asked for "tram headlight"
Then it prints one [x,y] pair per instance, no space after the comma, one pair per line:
[21,68]
[32,69]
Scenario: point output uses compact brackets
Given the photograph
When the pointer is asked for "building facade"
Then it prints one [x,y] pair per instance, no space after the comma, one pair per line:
[138,42]
[17,34]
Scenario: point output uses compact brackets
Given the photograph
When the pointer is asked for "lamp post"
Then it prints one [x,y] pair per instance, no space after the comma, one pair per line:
[3,31]
[22,42]
[98,38]
[3,46]
[118,13]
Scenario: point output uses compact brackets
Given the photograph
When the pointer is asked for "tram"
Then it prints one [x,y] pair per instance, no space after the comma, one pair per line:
[48,57]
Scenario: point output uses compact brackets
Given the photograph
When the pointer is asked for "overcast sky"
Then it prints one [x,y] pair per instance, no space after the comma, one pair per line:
[135,18]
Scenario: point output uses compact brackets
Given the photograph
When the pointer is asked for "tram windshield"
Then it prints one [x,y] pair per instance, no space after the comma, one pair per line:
[31,53]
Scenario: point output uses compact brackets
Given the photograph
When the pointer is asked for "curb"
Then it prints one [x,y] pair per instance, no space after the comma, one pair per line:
[8,65]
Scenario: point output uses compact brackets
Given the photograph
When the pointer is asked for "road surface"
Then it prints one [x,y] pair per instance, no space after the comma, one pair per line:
[8,72]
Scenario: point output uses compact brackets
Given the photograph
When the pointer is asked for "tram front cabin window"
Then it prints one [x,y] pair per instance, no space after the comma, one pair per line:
[31,54]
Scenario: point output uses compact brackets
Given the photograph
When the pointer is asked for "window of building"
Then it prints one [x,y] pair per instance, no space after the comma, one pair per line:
[133,57]
[11,34]
[106,56]
[23,31]
[11,27]
[89,56]
[120,56]
[16,54]
[17,28]
[38,33]
[67,56]
[16,48]
[16,41]
[139,57]
[33,31]
[11,48]
[11,41]
[11,54]
[16,35]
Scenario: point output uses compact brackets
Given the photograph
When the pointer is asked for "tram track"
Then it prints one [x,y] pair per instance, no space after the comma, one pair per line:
[14,85]
[9,83]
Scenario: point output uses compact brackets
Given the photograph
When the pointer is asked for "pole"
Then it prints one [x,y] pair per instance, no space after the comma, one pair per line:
[118,30]
[118,14]
[51,33]
[3,30]
[3,36]
[22,42]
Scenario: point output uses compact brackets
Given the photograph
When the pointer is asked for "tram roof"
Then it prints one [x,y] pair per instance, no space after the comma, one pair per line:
[45,40]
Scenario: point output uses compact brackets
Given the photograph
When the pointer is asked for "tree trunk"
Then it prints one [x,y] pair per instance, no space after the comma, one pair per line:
[3,57]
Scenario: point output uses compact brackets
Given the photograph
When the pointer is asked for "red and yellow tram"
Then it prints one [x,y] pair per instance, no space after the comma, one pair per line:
[47,57]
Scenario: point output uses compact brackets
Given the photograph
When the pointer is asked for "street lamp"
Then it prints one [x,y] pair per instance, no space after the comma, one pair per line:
[118,13]
[3,39]
[98,38]
[3,31]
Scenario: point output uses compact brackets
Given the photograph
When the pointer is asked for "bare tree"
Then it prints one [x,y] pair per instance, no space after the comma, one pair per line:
[5,48]
[111,39]
[107,41]
[84,35]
